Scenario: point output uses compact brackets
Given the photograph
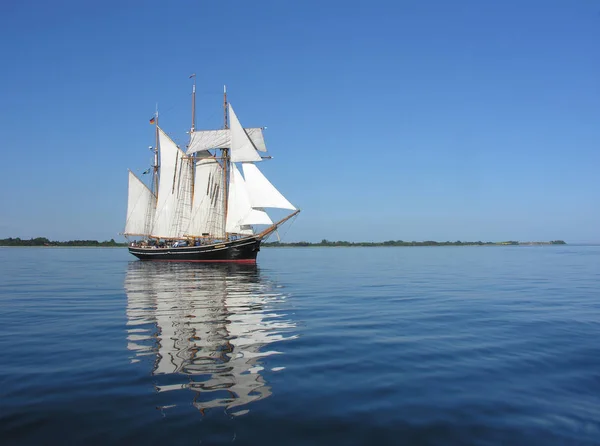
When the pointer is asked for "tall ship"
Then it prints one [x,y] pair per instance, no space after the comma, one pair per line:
[207,203]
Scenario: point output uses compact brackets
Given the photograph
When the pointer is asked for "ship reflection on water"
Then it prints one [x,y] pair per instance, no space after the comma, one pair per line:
[209,326]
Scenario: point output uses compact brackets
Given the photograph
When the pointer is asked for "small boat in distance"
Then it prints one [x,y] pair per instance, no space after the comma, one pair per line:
[199,206]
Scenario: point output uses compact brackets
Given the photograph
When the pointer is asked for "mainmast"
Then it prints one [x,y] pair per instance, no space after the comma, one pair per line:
[191,158]
[225,125]
[193,104]
[156,166]
[225,164]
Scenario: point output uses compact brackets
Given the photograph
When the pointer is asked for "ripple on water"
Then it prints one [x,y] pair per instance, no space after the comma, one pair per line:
[206,329]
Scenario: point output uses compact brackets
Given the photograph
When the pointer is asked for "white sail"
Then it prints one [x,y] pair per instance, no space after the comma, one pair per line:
[220,139]
[207,207]
[242,148]
[168,218]
[257,137]
[141,204]
[262,193]
[183,191]
[240,214]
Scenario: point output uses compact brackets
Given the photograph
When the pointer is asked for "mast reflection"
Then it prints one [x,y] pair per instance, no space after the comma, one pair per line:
[209,324]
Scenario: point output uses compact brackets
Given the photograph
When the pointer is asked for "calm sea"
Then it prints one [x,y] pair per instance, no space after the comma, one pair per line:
[332,346]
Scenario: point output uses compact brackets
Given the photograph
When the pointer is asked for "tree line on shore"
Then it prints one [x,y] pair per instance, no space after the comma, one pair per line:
[43,241]
[325,242]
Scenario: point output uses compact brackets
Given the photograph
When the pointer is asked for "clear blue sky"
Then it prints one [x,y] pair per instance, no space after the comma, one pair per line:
[411,120]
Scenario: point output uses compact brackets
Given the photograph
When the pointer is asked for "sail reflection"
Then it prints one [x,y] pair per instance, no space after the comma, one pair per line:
[208,324]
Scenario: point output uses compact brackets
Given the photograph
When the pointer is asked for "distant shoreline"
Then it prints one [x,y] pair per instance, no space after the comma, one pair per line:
[344,244]
[45,243]
[63,247]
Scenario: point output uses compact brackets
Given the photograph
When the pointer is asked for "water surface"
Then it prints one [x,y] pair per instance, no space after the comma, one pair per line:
[440,345]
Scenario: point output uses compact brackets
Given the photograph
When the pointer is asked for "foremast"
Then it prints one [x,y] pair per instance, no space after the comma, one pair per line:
[141,199]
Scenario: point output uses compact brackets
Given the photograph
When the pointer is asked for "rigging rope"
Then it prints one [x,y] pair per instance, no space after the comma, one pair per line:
[288,227]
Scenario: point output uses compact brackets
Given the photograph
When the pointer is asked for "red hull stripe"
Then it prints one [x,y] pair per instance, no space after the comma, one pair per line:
[251,261]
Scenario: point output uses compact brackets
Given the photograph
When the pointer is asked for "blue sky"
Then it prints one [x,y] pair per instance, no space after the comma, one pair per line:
[409,120]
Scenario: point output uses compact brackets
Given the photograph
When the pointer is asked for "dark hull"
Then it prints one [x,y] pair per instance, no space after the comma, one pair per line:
[238,251]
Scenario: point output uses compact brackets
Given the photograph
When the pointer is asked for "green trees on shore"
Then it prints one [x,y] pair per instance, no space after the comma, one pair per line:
[325,242]
[43,241]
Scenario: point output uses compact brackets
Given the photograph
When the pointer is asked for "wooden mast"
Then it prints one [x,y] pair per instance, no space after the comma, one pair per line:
[193,105]
[192,157]
[156,166]
[225,164]
[225,125]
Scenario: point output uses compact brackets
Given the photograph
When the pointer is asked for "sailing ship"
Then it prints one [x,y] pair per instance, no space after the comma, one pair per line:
[205,204]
